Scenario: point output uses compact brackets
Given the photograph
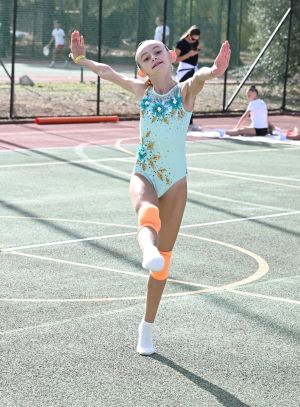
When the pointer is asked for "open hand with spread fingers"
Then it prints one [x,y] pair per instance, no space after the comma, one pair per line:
[77,46]
[222,61]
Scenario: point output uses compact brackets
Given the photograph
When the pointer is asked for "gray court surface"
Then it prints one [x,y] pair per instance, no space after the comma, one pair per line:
[73,291]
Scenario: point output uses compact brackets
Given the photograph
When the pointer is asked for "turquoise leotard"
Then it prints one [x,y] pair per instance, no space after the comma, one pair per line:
[163,127]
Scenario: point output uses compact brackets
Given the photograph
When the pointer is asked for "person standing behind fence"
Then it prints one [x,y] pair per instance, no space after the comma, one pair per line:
[159,31]
[58,37]
[187,50]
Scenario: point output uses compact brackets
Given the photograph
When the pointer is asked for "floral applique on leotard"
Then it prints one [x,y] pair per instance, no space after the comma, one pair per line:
[163,128]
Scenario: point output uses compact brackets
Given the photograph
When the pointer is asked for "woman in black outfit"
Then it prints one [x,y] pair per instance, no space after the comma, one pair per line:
[187,50]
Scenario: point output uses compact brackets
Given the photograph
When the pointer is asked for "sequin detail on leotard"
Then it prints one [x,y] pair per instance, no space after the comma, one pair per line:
[163,127]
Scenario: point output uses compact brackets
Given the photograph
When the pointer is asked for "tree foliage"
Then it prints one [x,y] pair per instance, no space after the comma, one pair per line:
[265,16]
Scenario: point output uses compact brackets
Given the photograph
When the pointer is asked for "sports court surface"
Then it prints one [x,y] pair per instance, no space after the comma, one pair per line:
[73,291]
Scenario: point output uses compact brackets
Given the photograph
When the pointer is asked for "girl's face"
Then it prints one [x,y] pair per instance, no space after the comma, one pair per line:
[193,38]
[251,95]
[153,58]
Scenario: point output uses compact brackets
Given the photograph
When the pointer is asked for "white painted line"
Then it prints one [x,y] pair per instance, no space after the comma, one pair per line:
[69,220]
[221,174]
[63,242]
[263,268]
[124,150]
[287,178]
[41,164]
[249,174]
[246,203]
[220,222]
[258,150]
[74,263]
[80,152]
[267,297]
[53,132]
[66,321]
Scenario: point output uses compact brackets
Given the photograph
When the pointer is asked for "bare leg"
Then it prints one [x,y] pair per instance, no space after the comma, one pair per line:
[54,54]
[171,208]
[244,131]
[141,192]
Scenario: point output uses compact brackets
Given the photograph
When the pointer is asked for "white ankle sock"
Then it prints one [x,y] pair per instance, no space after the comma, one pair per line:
[145,344]
[152,259]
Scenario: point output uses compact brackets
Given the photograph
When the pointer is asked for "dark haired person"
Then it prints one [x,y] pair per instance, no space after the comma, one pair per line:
[187,50]
[260,125]
[258,112]
[58,37]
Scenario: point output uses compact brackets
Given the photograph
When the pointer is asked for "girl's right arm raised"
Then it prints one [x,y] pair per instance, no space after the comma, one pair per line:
[133,85]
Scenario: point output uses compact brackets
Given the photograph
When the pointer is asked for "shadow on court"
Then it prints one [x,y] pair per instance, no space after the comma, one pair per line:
[224,397]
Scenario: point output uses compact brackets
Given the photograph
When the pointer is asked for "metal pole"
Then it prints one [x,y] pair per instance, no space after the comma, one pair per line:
[240,32]
[191,12]
[82,33]
[138,28]
[227,37]
[286,74]
[4,67]
[258,58]
[34,28]
[165,20]
[99,52]
[13,59]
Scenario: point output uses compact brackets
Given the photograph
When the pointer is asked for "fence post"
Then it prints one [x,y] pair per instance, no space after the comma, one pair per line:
[13,59]
[287,56]
[165,21]
[99,51]
[227,37]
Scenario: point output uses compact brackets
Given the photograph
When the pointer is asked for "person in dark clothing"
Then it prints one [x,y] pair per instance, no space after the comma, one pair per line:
[187,50]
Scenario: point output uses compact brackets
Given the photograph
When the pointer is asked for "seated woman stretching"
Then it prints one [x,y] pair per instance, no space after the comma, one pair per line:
[260,125]
[258,112]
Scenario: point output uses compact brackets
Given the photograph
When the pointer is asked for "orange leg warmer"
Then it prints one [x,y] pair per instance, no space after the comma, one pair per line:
[163,274]
[149,216]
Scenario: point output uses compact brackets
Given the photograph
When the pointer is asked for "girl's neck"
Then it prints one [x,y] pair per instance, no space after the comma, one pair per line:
[163,84]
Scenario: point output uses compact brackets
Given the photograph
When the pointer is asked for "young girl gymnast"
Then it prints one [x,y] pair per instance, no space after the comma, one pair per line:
[158,186]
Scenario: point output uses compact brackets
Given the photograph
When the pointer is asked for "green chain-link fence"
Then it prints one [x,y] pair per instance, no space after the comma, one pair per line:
[29,87]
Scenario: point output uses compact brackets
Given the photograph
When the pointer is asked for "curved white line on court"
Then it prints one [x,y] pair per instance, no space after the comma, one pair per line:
[263,268]
[118,147]
[79,151]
